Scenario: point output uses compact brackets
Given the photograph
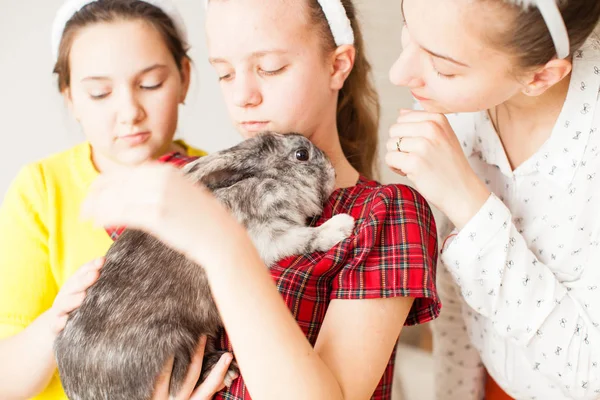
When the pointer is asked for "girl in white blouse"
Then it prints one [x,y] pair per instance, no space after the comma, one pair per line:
[514,164]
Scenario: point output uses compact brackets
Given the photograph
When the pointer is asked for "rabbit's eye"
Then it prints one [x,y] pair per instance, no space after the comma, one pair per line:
[302,155]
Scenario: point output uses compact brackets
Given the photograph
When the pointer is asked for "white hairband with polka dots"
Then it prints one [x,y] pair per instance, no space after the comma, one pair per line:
[71,7]
[338,21]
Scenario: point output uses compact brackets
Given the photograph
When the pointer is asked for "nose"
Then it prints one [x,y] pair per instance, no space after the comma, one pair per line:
[130,109]
[246,92]
[408,69]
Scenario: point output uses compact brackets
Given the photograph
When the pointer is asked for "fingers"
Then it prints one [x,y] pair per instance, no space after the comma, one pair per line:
[194,371]
[421,116]
[129,199]
[399,162]
[72,294]
[84,277]
[69,302]
[215,380]
[163,382]
[59,323]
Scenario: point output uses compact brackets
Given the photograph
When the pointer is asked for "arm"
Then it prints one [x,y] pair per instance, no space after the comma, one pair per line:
[27,289]
[27,361]
[555,322]
[394,252]
[274,356]
[31,312]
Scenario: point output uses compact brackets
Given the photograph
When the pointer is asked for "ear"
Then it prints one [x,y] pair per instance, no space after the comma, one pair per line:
[185,78]
[546,77]
[342,62]
[223,168]
[223,178]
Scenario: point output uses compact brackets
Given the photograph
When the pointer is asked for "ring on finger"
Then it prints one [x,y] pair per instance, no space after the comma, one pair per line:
[398,143]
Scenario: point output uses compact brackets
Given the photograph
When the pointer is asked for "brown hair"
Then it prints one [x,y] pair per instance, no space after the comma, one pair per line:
[529,38]
[358,103]
[107,11]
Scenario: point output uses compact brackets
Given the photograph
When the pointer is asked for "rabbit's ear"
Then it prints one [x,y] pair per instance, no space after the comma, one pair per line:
[224,159]
[224,178]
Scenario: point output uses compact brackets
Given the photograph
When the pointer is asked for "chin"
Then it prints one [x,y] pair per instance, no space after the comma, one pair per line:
[432,107]
[136,156]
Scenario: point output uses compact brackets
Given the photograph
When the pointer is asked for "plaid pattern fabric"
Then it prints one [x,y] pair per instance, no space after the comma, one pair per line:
[392,252]
[175,158]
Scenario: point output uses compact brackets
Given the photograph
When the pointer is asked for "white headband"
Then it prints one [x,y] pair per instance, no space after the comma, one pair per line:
[338,21]
[556,26]
[71,7]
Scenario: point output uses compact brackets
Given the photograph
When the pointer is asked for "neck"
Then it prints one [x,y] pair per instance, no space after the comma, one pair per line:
[525,123]
[327,139]
[527,115]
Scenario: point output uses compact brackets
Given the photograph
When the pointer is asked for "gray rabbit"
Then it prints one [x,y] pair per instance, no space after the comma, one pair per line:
[151,303]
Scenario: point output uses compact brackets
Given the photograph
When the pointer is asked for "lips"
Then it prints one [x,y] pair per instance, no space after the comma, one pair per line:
[254,126]
[134,139]
[418,97]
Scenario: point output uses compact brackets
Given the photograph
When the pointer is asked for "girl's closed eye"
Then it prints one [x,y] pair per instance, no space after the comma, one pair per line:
[224,74]
[99,95]
[443,76]
[152,86]
[272,71]
[440,74]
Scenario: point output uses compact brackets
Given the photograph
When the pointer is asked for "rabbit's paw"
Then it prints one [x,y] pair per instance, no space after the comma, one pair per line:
[333,231]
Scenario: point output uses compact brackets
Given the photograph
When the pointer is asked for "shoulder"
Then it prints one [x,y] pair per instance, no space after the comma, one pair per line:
[393,249]
[35,179]
[391,203]
[387,216]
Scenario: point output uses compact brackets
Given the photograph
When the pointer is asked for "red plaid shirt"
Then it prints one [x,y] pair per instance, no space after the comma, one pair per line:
[393,252]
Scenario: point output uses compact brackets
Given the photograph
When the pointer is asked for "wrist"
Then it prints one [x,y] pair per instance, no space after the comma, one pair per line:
[226,241]
[465,204]
[47,325]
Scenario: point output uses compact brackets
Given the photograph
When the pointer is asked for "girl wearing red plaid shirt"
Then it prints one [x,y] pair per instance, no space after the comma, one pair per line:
[317,326]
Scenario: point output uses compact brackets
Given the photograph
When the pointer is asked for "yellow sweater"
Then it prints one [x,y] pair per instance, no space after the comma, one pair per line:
[43,241]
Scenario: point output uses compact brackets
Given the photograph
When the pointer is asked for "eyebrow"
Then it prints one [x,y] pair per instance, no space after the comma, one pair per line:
[256,54]
[443,57]
[142,72]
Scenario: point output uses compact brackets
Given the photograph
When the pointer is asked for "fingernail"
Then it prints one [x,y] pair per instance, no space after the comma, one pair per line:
[227,358]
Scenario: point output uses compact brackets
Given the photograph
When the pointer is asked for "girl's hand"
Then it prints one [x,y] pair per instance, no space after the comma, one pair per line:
[72,293]
[159,199]
[432,158]
[213,383]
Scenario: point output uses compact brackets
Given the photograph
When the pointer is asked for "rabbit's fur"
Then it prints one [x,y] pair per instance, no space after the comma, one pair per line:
[151,303]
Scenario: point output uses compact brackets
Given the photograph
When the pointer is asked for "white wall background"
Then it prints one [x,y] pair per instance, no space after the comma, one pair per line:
[35,122]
